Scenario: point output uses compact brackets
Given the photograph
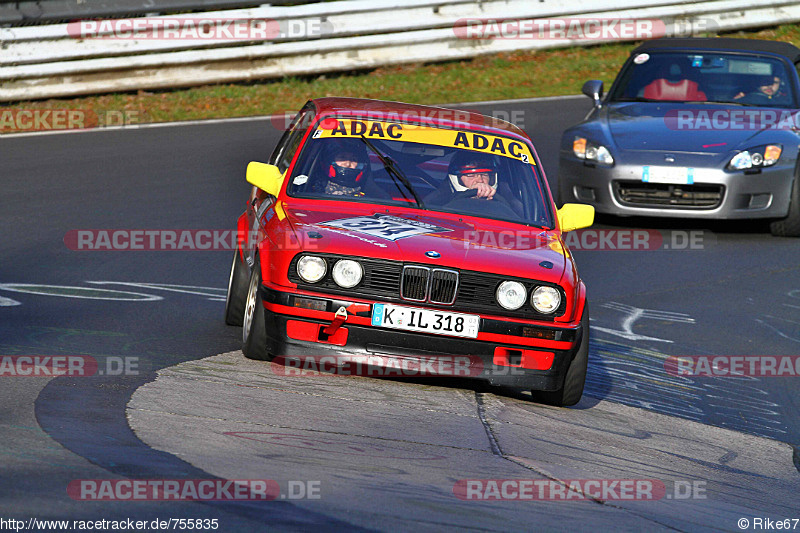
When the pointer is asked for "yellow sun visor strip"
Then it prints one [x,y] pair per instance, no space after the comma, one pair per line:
[415,133]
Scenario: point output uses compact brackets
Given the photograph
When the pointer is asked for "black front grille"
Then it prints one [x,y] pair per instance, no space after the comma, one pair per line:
[476,293]
[443,286]
[415,283]
[382,279]
[664,196]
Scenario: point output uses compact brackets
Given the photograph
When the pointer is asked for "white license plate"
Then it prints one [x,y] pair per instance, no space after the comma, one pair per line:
[425,320]
[670,175]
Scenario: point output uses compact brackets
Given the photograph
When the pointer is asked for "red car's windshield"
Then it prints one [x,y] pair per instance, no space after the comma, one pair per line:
[483,175]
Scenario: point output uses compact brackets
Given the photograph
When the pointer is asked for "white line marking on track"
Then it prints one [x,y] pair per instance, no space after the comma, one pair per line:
[635,313]
[213,293]
[84,293]
[8,302]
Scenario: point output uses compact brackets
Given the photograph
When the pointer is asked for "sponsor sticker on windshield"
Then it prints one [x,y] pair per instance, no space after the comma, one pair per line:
[386,227]
[415,133]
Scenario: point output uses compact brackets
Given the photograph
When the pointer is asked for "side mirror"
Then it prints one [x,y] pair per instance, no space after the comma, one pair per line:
[268,178]
[575,216]
[594,90]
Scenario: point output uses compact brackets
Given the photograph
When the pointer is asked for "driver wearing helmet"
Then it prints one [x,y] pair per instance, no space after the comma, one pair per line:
[471,171]
[474,173]
[345,165]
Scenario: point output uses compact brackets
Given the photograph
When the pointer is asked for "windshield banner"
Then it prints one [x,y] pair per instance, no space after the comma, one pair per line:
[415,133]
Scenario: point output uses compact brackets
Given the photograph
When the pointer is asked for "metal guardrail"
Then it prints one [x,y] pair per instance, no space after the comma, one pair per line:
[45,61]
[50,11]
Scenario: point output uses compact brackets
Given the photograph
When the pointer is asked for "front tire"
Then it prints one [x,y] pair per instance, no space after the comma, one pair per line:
[789,226]
[254,330]
[237,291]
[572,388]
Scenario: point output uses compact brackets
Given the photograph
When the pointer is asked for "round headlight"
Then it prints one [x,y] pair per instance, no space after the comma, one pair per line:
[311,268]
[511,295]
[604,156]
[545,299]
[741,161]
[347,273]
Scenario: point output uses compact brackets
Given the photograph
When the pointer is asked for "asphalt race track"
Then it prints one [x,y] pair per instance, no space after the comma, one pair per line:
[172,398]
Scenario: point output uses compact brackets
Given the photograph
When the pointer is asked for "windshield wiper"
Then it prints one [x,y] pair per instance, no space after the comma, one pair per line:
[394,171]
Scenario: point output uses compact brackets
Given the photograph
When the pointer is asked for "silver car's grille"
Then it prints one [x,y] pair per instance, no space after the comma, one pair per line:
[663,196]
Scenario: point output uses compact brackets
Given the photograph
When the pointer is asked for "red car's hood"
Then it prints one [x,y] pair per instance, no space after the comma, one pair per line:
[463,242]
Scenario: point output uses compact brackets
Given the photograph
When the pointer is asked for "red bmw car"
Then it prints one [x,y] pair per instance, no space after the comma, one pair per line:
[415,233]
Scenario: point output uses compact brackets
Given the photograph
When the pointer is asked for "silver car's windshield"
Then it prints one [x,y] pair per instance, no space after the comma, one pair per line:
[712,77]
[419,167]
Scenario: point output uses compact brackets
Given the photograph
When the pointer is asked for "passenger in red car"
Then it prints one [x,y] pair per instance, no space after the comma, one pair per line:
[345,166]
[344,170]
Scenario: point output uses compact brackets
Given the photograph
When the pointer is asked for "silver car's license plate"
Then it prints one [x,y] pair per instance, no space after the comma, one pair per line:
[669,175]
[425,320]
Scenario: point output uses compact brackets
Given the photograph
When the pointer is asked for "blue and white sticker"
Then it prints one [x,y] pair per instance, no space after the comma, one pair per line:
[377,314]
[387,227]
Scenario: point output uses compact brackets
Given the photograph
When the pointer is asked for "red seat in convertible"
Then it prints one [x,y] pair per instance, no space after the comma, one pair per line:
[662,89]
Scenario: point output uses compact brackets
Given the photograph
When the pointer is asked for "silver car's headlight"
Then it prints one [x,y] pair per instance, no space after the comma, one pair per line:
[545,299]
[591,151]
[761,156]
[347,273]
[511,295]
[311,268]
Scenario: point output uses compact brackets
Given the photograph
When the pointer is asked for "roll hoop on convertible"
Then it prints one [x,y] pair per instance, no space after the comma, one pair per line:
[417,233]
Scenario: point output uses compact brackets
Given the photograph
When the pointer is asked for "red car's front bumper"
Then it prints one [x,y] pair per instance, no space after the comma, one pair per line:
[517,353]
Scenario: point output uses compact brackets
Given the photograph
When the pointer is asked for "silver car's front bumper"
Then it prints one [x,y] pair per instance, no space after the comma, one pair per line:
[715,193]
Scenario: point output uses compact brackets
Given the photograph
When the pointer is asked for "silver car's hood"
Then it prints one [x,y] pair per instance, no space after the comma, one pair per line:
[656,127]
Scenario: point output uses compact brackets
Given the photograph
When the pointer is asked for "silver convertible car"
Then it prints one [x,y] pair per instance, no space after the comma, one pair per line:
[692,128]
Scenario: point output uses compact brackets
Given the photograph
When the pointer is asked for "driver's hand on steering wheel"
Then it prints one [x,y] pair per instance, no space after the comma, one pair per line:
[484,191]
